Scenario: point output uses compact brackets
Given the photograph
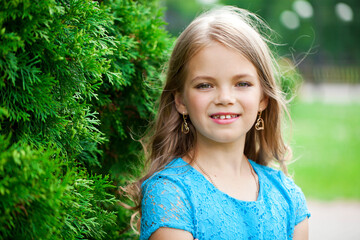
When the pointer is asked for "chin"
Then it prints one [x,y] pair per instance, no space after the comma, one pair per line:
[226,139]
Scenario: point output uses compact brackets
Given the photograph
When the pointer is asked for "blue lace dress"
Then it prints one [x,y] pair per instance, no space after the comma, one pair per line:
[181,197]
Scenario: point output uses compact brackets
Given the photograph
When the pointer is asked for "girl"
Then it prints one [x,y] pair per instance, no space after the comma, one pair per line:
[216,133]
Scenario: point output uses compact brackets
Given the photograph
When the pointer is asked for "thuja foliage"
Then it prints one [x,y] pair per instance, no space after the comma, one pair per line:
[43,198]
[76,78]
[127,102]
[52,58]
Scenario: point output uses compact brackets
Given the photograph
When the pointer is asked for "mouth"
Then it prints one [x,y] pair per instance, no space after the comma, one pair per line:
[224,116]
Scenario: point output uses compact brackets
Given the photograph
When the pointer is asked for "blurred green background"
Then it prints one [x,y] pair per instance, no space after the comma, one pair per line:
[321,39]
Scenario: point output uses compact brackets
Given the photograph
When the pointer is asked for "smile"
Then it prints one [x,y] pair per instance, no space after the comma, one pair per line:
[224,116]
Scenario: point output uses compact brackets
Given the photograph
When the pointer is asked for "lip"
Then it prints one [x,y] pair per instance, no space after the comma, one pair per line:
[225,120]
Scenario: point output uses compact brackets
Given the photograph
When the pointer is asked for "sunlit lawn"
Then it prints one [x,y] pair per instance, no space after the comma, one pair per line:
[326,144]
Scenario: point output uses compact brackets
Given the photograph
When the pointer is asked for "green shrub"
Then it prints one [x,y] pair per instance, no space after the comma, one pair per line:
[51,67]
[42,198]
[127,103]
[76,76]
[31,186]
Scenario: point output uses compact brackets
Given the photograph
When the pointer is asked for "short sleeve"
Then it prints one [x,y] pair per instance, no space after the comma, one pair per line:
[164,204]
[298,199]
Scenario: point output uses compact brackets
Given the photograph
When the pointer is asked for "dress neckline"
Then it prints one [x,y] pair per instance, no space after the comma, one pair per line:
[253,165]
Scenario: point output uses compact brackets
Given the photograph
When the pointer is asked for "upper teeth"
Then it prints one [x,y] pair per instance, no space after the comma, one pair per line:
[228,116]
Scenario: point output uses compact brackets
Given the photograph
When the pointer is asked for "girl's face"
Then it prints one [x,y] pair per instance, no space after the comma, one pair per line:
[222,94]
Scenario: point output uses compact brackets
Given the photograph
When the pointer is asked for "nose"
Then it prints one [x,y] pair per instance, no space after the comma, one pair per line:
[225,96]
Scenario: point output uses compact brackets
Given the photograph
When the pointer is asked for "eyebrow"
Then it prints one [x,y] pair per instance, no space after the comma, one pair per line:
[237,76]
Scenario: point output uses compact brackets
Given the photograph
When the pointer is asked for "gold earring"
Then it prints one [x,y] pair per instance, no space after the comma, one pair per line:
[259,122]
[184,127]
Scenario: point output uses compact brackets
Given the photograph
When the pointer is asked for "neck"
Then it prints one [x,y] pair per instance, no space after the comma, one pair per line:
[221,157]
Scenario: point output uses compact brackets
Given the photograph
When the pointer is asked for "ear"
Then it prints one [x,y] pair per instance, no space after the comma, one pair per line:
[263,102]
[179,103]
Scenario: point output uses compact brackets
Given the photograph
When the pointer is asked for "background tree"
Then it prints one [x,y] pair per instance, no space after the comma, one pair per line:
[318,36]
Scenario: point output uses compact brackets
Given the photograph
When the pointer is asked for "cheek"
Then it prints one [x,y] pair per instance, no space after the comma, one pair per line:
[251,103]
[196,103]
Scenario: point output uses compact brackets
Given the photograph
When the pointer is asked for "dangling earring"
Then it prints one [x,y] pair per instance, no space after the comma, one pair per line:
[184,127]
[259,122]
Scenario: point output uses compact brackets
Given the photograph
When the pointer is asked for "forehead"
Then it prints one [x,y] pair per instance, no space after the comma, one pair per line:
[218,61]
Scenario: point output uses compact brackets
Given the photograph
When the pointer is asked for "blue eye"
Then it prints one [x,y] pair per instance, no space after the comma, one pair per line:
[203,86]
[243,84]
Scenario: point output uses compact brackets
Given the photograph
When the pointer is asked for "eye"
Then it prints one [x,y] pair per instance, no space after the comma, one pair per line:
[243,84]
[203,86]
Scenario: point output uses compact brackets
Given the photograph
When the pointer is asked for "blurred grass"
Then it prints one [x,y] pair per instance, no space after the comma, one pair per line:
[326,146]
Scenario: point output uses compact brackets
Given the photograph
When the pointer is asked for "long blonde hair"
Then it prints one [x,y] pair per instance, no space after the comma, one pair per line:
[242,31]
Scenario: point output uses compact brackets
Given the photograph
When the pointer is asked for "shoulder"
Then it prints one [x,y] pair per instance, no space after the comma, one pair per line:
[292,193]
[173,174]
[165,201]
[275,176]
[275,179]
[166,185]
[268,173]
